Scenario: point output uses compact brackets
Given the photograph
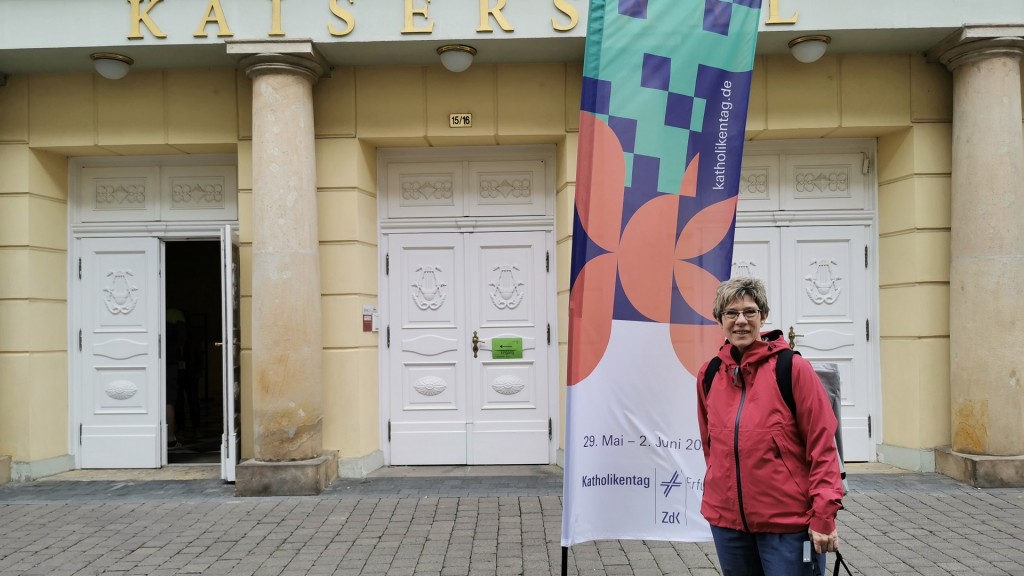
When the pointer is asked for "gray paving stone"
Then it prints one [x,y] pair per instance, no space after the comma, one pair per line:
[894,524]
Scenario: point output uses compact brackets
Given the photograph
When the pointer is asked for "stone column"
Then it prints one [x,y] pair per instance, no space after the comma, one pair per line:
[286,320]
[986,321]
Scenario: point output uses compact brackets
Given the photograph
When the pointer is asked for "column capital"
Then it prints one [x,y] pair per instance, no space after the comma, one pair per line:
[280,56]
[978,42]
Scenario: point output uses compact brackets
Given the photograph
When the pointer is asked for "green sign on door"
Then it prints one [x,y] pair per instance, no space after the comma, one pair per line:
[506,348]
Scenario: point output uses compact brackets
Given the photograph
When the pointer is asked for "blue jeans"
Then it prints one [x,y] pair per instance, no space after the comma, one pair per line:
[763,554]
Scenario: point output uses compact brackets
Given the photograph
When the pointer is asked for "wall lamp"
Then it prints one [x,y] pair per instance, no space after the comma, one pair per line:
[111,66]
[809,49]
[456,57]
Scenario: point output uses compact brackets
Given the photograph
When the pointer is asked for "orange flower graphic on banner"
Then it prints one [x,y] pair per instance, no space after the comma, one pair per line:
[647,257]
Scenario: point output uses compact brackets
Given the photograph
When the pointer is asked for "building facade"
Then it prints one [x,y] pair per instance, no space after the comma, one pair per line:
[344,233]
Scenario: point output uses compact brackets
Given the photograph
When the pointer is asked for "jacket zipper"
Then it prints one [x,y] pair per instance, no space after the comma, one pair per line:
[738,374]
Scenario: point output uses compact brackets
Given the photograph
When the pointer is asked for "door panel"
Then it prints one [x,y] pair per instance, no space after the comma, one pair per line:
[231,338]
[817,285]
[447,404]
[121,408]
[428,349]
[756,254]
[826,301]
[509,396]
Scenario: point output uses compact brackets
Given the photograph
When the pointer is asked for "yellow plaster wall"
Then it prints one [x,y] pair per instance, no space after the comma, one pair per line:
[473,91]
[144,113]
[14,111]
[33,296]
[565,200]
[245,266]
[353,427]
[510,104]
[391,105]
[801,100]
[201,110]
[914,223]
[844,96]
[334,104]
[531,103]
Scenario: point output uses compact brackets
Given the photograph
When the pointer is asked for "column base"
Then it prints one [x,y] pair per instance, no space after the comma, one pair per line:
[298,478]
[5,469]
[981,471]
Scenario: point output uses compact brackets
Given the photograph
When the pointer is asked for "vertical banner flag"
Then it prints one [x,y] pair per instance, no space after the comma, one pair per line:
[662,120]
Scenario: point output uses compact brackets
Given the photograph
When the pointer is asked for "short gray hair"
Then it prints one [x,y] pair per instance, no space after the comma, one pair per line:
[736,288]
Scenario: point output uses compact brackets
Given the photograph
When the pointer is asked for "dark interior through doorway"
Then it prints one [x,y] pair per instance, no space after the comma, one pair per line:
[194,391]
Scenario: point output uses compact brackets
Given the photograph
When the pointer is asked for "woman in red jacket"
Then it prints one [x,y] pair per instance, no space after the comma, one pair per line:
[773,479]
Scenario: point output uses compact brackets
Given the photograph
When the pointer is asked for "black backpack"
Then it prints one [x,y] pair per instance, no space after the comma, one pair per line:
[784,379]
[783,376]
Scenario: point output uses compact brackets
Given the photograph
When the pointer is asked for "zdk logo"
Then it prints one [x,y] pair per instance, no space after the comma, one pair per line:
[671,483]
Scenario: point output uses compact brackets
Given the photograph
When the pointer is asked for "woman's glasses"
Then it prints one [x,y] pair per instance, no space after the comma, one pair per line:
[749,314]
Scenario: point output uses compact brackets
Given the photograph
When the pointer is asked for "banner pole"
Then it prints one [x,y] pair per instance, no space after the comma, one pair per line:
[565,561]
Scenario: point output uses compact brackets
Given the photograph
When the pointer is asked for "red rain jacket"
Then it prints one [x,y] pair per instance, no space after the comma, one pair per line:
[768,471]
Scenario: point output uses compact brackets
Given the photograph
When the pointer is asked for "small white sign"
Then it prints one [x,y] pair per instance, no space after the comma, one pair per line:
[463,120]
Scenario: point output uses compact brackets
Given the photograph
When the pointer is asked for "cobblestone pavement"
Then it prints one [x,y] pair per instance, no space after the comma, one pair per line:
[459,523]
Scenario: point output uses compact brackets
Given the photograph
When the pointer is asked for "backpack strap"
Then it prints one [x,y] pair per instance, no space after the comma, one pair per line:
[709,374]
[784,377]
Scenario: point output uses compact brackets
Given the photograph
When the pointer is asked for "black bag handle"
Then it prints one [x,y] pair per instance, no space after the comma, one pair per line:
[835,569]
[840,562]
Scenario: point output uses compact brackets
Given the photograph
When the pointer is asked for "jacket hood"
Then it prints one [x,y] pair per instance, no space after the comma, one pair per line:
[771,342]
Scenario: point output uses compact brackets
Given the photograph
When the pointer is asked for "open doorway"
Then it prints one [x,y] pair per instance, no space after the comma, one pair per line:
[192,289]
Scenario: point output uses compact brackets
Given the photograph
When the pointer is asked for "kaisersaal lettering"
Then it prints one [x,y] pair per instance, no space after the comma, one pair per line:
[144,17]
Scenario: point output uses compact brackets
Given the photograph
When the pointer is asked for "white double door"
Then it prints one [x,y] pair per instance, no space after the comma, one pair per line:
[121,343]
[453,396]
[817,280]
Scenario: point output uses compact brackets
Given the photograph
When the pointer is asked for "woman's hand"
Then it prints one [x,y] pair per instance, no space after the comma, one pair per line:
[825,542]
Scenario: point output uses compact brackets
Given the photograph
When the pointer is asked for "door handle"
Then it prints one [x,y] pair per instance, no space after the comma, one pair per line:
[476,343]
[218,344]
[792,337]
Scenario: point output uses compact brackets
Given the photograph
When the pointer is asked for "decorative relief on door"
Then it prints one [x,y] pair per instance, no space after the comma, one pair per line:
[121,295]
[428,290]
[431,192]
[124,195]
[823,281]
[754,183]
[743,269]
[121,389]
[515,189]
[508,385]
[506,290]
[823,182]
[197,193]
[430,385]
